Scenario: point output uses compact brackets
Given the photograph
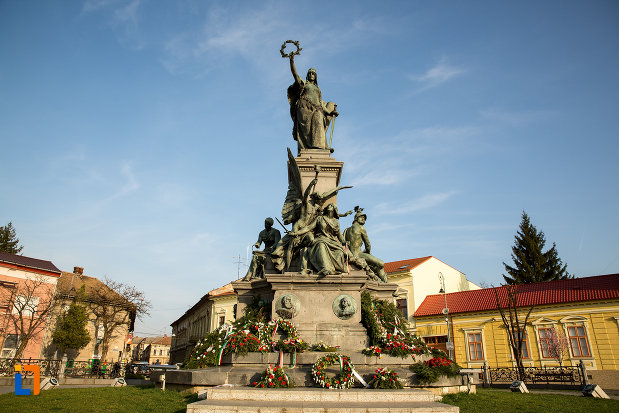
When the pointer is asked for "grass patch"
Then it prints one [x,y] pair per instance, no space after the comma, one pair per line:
[99,399]
[504,401]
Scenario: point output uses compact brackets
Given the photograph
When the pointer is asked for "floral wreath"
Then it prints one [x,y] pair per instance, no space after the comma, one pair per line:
[343,380]
[266,331]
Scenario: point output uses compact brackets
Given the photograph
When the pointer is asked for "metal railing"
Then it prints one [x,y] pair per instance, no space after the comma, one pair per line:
[537,375]
[55,368]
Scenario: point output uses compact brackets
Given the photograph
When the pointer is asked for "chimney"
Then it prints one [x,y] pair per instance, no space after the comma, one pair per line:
[78,270]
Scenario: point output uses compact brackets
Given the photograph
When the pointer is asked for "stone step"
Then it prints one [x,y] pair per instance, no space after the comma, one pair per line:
[276,406]
[320,394]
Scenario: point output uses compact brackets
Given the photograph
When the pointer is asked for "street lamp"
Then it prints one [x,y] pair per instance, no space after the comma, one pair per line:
[449,344]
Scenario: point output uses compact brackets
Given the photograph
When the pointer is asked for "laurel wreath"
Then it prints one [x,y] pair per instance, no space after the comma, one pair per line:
[294,52]
[343,380]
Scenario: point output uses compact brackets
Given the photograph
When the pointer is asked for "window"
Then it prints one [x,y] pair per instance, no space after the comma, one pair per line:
[25,306]
[10,346]
[438,342]
[222,320]
[526,354]
[402,305]
[545,341]
[475,346]
[578,341]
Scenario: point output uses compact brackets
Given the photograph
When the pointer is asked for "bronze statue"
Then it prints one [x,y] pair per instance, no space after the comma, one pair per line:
[301,209]
[310,114]
[356,235]
[270,237]
[326,255]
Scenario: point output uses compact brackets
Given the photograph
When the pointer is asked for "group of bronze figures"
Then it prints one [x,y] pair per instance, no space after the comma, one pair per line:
[315,240]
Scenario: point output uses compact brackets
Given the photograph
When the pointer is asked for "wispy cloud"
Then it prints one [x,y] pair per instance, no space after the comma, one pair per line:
[441,73]
[424,202]
[123,17]
[399,158]
[514,118]
[94,5]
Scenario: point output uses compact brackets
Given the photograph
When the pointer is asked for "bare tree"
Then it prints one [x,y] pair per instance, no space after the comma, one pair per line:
[516,326]
[558,345]
[28,306]
[114,305]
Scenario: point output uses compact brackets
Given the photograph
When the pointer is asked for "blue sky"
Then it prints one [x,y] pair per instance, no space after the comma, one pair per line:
[146,140]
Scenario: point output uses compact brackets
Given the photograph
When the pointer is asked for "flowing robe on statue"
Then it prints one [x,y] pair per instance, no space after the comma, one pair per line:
[327,255]
[308,113]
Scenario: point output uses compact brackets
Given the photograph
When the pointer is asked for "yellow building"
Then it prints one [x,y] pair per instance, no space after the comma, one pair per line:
[214,309]
[585,311]
[419,277]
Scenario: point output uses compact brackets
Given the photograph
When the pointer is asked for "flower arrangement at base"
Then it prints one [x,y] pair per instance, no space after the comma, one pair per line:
[385,379]
[372,351]
[242,342]
[324,347]
[388,329]
[274,377]
[291,345]
[343,380]
[431,370]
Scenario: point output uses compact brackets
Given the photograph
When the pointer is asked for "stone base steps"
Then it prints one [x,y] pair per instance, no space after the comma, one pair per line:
[227,399]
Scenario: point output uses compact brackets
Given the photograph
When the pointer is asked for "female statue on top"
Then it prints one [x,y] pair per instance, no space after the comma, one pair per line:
[310,114]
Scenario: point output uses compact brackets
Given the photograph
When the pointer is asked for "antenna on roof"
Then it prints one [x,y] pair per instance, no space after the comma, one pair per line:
[238,265]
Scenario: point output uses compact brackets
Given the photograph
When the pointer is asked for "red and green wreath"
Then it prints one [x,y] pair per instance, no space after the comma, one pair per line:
[343,380]
[274,377]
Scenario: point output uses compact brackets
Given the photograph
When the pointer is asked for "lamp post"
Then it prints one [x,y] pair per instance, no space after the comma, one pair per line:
[449,344]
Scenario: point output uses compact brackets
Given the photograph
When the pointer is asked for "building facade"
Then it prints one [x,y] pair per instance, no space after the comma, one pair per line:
[214,309]
[109,322]
[152,350]
[420,277]
[27,287]
[584,311]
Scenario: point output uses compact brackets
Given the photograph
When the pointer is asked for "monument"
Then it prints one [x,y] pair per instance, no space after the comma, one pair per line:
[311,281]
[315,274]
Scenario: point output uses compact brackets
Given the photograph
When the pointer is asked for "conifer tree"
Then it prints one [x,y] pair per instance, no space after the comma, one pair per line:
[71,332]
[8,240]
[531,263]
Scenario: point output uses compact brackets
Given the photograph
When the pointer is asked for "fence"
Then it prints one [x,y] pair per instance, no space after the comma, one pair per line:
[536,375]
[55,368]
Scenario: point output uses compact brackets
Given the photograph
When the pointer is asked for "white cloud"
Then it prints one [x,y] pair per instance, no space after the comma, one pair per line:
[123,18]
[442,72]
[424,202]
[94,5]
[513,118]
[396,159]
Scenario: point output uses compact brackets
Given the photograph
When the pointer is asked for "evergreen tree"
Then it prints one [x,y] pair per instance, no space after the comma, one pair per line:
[8,240]
[531,263]
[71,332]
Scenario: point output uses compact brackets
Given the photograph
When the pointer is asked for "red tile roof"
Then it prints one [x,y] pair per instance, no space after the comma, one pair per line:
[28,262]
[164,341]
[221,291]
[405,265]
[601,287]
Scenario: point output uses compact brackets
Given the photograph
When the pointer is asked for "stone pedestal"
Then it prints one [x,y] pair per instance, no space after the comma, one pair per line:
[319,305]
[316,304]
[330,170]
